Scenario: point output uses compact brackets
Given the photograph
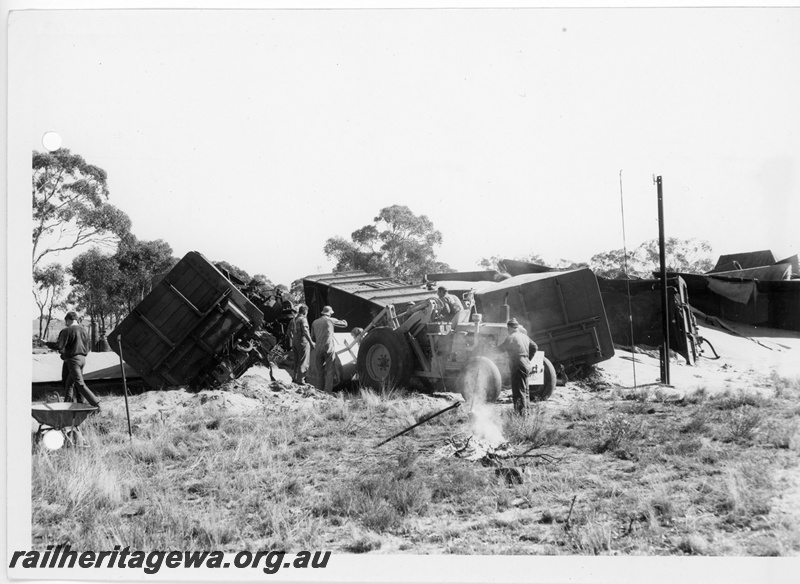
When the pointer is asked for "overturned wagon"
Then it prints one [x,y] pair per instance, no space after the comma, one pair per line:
[563,313]
[196,327]
[404,338]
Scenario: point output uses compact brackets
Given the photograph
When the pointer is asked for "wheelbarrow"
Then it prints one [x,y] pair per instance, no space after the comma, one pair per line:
[59,421]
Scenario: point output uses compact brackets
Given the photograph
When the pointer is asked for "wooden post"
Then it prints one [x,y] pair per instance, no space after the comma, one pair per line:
[664,287]
[124,386]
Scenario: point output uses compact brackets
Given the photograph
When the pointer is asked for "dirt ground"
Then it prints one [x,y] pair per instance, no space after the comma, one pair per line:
[745,359]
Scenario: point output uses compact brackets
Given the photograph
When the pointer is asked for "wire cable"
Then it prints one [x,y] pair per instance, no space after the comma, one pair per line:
[627,278]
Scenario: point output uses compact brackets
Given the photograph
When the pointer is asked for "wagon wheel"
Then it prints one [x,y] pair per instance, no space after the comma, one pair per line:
[546,389]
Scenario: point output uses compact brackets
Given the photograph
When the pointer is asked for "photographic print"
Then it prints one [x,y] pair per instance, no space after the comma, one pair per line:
[403,293]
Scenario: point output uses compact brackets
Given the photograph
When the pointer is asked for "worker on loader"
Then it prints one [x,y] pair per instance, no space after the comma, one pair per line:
[301,344]
[520,350]
[325,354]
[73,344]
[452,305]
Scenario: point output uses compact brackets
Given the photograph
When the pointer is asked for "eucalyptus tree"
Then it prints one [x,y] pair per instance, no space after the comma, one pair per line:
[398,244]
[49,284]
[70,205]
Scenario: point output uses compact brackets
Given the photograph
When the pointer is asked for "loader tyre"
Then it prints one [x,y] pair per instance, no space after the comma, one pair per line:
[480,381]
[384,360]
[545,390]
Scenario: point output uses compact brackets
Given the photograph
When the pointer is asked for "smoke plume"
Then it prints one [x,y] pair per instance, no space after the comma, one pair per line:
[484,419]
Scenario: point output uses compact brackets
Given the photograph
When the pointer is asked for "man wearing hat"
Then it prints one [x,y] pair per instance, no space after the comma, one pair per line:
[452,305]
[73,344]
[520,350]
[325,353]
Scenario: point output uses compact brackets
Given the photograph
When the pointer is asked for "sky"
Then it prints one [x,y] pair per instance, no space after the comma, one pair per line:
[252,136]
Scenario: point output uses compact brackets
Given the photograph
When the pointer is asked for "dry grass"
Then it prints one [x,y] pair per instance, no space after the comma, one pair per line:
[635,477]
[533,430]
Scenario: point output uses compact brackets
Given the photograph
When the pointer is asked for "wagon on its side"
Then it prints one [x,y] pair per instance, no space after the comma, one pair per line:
[196,327]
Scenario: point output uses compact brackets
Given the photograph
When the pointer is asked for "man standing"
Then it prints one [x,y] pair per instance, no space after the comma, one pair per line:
[322,334]
[301,345]
[520,350]
[73,344]
[452,305]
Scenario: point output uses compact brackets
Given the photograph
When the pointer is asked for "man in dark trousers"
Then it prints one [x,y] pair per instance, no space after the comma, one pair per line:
[325,353]
[520,350]
[73,344]
[301,344]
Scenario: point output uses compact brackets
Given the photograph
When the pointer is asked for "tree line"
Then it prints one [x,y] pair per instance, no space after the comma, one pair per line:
[71,210]
[401,245]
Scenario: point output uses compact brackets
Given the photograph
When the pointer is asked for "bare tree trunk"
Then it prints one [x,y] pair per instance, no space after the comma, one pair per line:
[49,316]
[93,329]
[41,306]
[47,323]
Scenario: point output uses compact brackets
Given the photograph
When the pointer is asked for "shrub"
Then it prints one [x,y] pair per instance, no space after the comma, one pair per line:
[784,387]
[459,483]
[594,535]
[697,424]
[362,543]
[682,447]
[371,399]
[742,423]
[582,410]
[380,499]
[634,394]
[698,396]
[338,410]
[637,408]
[731,401]
[528,428]
[388,391]
[695,545]
[617,431]
[745,492]
[783,434]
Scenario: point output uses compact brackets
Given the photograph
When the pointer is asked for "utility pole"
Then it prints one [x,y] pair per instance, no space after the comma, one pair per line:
[664,287]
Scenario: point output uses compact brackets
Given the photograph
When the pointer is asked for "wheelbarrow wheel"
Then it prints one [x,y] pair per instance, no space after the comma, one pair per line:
[52,439]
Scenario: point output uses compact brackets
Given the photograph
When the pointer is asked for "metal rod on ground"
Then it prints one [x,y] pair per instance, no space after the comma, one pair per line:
[664,298]
[422,421]
[570,511]
[124,386]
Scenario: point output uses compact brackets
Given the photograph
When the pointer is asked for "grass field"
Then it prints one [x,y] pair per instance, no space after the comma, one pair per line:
[609,473]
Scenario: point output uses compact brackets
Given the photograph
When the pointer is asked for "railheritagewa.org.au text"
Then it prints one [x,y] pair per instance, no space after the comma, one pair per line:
[269,562]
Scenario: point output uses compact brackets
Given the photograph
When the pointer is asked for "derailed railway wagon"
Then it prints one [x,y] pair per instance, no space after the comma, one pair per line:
[404,338]
[562,311]
[196,327]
